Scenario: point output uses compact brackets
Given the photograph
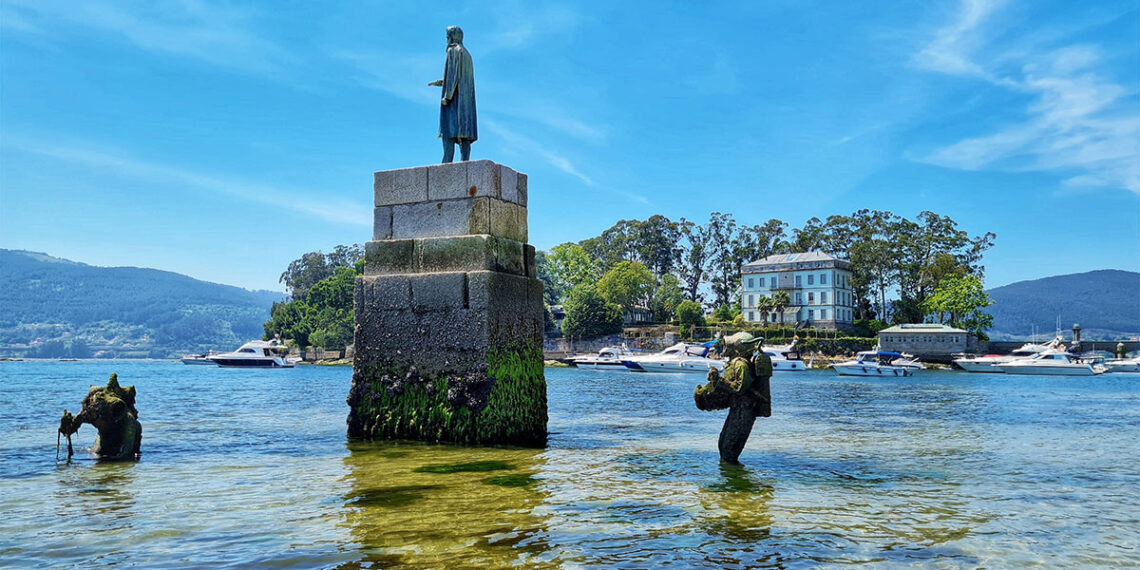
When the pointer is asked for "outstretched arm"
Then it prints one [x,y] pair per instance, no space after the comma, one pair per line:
[436,83]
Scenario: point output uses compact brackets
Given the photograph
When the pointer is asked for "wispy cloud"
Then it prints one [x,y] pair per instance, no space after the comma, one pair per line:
[122,164]
[1079,122]
[403,75]
[217,34]
[524,144]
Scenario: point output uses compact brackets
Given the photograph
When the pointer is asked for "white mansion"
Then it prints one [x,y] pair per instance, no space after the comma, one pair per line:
[818,287]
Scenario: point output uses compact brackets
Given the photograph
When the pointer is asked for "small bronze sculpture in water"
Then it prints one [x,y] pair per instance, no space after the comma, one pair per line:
[743,388]
[111,409]
[457,123]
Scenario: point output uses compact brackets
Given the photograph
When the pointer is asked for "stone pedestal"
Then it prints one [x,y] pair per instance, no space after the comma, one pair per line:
[449,311]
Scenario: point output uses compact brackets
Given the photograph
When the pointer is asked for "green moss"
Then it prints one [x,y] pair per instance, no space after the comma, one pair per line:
[515,412]
[472,467]
[512,480]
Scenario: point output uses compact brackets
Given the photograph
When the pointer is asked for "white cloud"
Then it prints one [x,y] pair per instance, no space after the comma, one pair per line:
[218,34]
[1079,123]
[121,164]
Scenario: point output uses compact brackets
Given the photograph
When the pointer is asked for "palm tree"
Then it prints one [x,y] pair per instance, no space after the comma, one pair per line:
[764,306]
[780,301]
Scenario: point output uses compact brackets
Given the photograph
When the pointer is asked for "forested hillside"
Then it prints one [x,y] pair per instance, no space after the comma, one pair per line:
[51,307]
[1105,303]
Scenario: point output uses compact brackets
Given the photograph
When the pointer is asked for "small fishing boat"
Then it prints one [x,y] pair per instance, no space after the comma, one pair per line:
[873,363]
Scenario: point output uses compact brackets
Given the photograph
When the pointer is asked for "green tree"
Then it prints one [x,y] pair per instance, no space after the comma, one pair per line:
[589,315]
[958,301]
[724,257]
[627,285]
[657,245]
[690,313]
[552,291]
[570,266]
[314,266]
[723,313]
[780,301]
[694,255]
[764,306]
[666,297]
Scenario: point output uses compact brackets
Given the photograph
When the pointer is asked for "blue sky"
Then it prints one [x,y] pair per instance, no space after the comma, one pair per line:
[223,140]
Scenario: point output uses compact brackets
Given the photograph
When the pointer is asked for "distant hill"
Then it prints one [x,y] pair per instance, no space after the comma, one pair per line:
[1105,303]
[52,307]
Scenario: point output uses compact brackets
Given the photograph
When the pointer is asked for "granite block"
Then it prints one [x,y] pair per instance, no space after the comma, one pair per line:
[382,223]
[510,184]
[404,186]
[460,253]
[484,176]
[448,181]
[505,220]
[385,292]
[509,256]
[522,189]
[440,219]
[389,256]
[530,260]
[438,291]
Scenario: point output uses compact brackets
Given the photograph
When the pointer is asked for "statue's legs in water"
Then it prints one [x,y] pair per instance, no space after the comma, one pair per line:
[737,427]
[448,150]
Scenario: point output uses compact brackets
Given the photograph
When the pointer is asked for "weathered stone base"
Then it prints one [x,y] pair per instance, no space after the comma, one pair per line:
[449,356]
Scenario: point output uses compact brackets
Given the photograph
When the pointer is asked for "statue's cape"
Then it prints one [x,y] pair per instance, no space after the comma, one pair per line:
[457,120]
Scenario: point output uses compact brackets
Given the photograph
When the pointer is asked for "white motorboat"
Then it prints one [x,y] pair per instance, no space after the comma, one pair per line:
[873,363]
[785,358]
[990,362]
[908,361]
[1123,365]
[608,358]
[253,354]
[680,357]
[199,359]
[1052,362]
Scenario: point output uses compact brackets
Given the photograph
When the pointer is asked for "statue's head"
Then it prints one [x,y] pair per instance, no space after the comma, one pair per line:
[741,345]
[454,35]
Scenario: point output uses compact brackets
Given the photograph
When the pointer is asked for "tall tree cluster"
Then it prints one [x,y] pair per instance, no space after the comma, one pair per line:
[897,263]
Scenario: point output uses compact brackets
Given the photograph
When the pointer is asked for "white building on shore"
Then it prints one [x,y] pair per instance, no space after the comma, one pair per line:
[818,287]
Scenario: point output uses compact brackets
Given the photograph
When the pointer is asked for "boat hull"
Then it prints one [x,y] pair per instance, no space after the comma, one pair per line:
[250,363]
[1049,370]
[976,366]
[672,367]
[198,361]
[872,370]
[601,365]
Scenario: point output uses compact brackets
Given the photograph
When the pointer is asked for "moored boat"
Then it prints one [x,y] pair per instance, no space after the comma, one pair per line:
[1123,365]
[990,362]
[785,358]
[253,354]
[608,358]
[199,359]
[1052,362]
[873,363]
[680,357]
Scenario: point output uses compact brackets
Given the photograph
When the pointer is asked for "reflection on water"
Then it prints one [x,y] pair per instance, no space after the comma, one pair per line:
[252,468]
[432,506]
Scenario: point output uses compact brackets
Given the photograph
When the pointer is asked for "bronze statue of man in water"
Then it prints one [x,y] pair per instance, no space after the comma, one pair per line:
[457,123]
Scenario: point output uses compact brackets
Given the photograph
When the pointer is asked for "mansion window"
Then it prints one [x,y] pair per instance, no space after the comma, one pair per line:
[773,283]
[798,281]
[749,282]
[823,298]
[811,279]
[811,298]
[823,279]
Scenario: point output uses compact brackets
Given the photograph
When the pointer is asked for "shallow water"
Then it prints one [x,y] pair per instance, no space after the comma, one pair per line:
[253,468]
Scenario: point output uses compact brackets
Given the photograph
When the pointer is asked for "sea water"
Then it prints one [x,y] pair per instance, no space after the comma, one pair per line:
[252,467]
